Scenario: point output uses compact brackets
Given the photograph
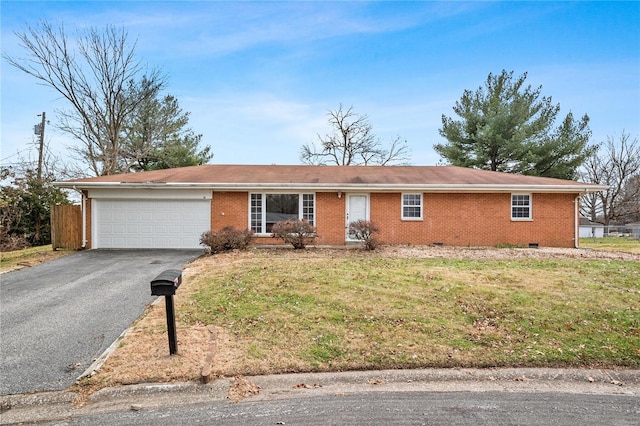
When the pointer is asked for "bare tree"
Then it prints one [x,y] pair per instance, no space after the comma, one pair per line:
[616,164]
[97,73]
[352,142]
[629,207]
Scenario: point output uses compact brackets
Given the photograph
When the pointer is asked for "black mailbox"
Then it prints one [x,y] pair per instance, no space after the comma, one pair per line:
[166,283]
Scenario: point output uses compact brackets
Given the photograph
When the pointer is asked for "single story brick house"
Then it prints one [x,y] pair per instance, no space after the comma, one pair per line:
[417,205]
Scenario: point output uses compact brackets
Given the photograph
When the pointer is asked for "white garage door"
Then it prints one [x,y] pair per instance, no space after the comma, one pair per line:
[155,223]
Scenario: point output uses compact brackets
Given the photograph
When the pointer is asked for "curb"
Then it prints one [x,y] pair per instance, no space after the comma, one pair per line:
[64,404]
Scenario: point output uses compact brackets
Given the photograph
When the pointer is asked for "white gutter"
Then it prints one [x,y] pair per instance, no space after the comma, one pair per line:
[83,210]
[338,187]
[576,218]
[84,222]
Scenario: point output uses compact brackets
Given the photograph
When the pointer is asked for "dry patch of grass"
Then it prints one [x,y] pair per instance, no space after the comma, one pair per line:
[29,257]
[277,311]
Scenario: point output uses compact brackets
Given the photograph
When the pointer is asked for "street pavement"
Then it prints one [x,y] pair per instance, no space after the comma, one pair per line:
[57,317]
[382,408]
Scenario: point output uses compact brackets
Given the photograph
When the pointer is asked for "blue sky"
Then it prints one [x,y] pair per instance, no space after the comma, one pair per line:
[259,77]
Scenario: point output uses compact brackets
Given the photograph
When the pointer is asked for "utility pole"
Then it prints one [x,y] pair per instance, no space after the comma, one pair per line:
[39,130]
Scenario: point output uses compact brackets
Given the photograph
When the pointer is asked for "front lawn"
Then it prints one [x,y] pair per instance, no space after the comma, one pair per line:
[345,313]
[276,311]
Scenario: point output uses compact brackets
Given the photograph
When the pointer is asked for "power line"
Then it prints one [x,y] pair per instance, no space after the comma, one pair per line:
[14,155]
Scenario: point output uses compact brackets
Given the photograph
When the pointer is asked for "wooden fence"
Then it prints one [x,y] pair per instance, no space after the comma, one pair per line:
[66,227]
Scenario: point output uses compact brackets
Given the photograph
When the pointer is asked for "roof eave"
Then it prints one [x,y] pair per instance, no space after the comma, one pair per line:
[336,187]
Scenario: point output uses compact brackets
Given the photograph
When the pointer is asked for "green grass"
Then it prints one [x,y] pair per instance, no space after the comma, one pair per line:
[353,312]
[29,256]
[625,244]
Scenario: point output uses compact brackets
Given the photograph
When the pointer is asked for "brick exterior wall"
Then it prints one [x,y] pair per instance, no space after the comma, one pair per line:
[232,209]
[229,209]
[476,220]
[453,219]
[330,218]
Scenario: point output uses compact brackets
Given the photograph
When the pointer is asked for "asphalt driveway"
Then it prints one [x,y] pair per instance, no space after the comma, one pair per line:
[56,318]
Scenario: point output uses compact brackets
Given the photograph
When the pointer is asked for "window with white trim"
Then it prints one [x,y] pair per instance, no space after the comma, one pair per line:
[267,209]
[412,206]
[521,207]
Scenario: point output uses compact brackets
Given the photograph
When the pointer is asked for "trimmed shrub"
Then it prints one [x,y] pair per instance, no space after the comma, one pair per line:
[297,232]
[364,230]
[226,239]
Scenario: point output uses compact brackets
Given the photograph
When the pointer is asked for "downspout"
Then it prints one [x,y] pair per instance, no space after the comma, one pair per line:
[576,218]
[84,222]
[83,208]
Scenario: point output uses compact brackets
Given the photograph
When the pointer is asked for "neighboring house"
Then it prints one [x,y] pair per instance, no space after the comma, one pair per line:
[633,229]
[589,229]
[411,205]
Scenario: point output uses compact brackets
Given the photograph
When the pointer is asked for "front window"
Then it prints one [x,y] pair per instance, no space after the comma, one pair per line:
[412,206]
[521,207]
[308,207]
[255,217]
[269,209]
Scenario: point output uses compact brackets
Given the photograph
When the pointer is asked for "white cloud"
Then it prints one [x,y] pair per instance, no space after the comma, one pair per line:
[200,29]
[259,128]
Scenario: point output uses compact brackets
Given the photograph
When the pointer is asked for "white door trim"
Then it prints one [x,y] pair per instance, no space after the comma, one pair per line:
[349,216]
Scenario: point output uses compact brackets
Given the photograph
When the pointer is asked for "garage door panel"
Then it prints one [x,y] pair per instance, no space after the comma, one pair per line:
[146,216]
[146,230]
[119,241]
[146,241]
[176,229]
[150,223]
[119,228]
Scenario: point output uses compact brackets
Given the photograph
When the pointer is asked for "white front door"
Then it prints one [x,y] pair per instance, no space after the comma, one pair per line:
[357,209]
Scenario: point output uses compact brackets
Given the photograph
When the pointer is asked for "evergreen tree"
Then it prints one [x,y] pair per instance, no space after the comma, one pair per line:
[157,137]
[509,127]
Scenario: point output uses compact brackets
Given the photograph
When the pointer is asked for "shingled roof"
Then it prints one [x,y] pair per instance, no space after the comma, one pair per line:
[303,177]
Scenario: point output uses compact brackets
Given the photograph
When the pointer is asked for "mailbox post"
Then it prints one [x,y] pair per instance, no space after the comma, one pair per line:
[166,285]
